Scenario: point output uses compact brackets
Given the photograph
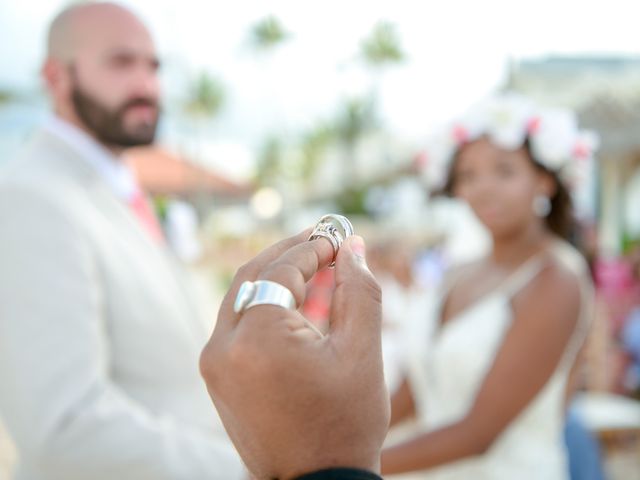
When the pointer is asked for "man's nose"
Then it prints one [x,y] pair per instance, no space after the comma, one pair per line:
[147,83]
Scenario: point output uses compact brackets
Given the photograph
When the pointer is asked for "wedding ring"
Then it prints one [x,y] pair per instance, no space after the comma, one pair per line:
[263,292]
[336,229]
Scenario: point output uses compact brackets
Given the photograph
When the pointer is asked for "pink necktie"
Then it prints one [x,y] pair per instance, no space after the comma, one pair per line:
[141,208]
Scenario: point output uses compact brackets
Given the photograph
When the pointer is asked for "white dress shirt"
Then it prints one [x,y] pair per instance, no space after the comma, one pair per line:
[116,174]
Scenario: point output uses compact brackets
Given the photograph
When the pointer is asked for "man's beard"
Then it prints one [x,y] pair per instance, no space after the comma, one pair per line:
[108,125]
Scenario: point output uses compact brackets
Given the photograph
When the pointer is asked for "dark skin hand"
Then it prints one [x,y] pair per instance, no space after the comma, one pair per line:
[294,402]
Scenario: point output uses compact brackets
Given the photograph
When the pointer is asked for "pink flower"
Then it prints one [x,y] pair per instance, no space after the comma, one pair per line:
[460,134]
[533,125]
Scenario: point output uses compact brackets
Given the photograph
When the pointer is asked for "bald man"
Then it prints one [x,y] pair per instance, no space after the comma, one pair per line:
[99,336]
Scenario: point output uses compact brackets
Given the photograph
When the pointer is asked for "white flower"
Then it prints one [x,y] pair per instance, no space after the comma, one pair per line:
[473,123]
[507,120]
[553,141]
[508,117]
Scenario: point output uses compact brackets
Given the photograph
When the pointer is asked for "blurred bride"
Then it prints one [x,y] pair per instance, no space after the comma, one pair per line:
[490,372]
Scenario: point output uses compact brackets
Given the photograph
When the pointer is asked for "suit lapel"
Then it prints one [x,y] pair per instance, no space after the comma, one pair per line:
[115,212]
[64,159]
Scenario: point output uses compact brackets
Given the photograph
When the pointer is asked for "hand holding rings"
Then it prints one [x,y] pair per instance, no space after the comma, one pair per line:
[334,228]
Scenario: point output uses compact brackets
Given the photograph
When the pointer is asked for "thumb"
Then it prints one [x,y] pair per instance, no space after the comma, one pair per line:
[356,307]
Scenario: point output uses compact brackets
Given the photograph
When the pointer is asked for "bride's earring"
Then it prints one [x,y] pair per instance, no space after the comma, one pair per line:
[541,206]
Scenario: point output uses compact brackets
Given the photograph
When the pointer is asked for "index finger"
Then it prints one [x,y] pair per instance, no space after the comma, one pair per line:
[295,267]
[251,269]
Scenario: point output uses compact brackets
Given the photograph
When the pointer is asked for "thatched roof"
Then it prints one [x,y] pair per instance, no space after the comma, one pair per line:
[161,172]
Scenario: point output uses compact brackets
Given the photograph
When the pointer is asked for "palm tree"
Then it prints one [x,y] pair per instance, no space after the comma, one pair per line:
[206,96]
[356,118]
[265,36]
[267,33]
[314,144]
[382,47]
[380,50]
[205,100]
[270,159]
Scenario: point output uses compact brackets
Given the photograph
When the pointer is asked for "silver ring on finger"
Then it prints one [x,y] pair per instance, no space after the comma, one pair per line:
[335,228]
[263,292]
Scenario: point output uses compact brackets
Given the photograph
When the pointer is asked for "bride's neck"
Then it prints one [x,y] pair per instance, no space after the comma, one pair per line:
[511,250]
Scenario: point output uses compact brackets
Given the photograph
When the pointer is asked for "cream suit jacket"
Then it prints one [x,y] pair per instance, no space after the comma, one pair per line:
[99,336]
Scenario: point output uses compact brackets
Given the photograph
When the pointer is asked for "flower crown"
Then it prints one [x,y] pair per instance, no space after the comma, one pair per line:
[508,120]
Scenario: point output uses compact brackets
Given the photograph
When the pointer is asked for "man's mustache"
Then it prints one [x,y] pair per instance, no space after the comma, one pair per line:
[140,102]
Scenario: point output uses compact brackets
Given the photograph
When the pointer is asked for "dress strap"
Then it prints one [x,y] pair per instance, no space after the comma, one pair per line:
[524,274]
[451,278]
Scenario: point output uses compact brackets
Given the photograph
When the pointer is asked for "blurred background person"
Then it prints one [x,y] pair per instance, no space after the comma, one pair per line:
[490,373]
[392,262]
[99,335]
[630,334]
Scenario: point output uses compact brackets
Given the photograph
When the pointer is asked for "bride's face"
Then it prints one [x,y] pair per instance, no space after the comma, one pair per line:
[499,185]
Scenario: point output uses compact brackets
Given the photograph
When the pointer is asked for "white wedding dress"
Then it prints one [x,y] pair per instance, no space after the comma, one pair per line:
[447,367]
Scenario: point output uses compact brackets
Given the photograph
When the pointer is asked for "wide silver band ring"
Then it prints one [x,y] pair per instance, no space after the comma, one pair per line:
[263,292]
[336,229]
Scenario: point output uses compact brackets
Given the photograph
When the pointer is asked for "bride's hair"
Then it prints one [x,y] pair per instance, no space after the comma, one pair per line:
[560,220]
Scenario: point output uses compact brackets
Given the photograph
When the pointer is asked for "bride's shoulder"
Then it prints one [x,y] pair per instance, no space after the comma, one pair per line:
[462,271]
[467,268]
[568,258]
[568,269]
[559,280]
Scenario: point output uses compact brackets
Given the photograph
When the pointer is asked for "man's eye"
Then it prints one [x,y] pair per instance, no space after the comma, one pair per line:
[121,61]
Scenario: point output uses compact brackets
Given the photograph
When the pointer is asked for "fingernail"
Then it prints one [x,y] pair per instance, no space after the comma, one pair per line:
[357,246]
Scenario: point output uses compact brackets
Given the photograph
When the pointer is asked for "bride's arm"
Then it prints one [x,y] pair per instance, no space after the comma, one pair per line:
[545,315]
[402,404]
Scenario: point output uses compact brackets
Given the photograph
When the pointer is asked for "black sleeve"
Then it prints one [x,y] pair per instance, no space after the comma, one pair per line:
[340,474]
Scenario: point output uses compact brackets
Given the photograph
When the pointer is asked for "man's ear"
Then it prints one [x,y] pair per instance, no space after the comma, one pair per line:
[57,77]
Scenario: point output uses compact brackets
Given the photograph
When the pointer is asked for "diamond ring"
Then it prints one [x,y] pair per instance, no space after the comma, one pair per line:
[336,229]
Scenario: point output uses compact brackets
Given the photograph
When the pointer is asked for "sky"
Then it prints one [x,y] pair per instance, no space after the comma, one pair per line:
[456,51]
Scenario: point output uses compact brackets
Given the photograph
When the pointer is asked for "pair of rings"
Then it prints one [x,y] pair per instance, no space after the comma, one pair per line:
[334,228]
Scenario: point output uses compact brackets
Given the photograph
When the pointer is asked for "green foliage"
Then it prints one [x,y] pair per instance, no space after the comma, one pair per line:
[314,144]
[629,242]
[7,96]
[268,33]
[206,97]
[382,47]
[356,118]
[160,205]
[352,201]
[270,161]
